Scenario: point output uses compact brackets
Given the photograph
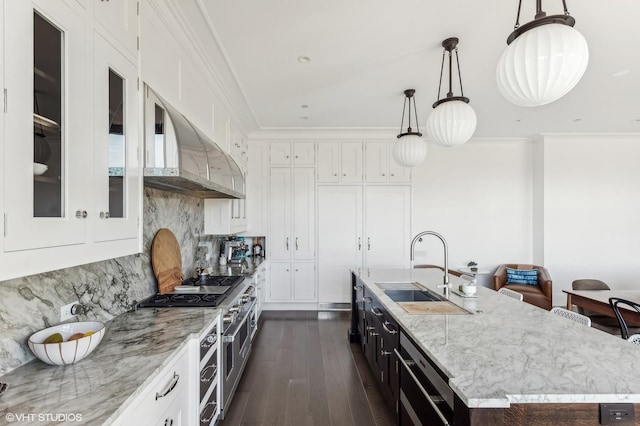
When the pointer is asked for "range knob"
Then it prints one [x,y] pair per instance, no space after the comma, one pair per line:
[245,298]
[228,318]
[234,309]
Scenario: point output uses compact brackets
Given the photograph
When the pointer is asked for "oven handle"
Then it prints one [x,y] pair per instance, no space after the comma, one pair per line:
[230,338]
[424,392]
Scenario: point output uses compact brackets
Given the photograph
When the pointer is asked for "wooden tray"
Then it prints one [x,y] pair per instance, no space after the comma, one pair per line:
[166,261]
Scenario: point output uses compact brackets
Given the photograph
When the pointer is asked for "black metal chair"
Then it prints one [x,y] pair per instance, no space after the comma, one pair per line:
[624,329]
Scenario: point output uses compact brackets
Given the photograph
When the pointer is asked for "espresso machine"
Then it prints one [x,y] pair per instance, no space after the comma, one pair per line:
[235,251]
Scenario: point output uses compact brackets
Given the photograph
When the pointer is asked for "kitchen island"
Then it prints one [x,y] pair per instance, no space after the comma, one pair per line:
[509,362]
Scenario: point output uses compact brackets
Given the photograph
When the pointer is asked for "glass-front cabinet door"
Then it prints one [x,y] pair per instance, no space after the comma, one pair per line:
[116,164]
[47,136]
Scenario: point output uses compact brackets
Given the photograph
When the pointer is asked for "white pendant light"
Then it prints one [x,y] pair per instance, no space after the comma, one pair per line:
[544,59]
[410,149]
[452,121]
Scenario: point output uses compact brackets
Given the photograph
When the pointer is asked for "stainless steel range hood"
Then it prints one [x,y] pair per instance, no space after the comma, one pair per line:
[180,158]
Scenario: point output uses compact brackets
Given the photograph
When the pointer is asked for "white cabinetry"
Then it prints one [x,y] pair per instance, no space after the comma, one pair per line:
[171,397]
[380,166]
[257,190]
[120,19]
[292,281]
[291,241]
[340,162]
[292,153]
[224,217]
[356,232]
[63,209]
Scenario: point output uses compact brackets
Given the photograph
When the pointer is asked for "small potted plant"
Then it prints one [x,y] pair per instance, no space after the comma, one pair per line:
[473,266]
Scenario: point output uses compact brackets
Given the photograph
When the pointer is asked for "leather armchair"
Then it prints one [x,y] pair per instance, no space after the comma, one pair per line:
[539,295]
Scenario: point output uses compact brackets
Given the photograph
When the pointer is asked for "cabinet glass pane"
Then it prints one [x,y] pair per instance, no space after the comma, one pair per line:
[48,119]
[117,145]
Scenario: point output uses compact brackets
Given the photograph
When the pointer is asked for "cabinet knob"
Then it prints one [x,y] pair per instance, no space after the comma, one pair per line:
[344,174]
[383,174]
[104,215]
[335,174]
[286,156]
[81,214]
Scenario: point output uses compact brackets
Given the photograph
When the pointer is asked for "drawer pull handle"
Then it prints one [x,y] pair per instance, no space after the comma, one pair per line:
[385,353]
[208,419]
[390,331]
[404,362]
[212,369]
[376,312]
[172,385]
[168,422]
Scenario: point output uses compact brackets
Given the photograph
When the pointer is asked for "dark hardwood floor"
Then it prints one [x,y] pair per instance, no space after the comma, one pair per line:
[304,371]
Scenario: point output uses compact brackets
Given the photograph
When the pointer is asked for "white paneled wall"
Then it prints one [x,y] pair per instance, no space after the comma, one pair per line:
[591,201]
[479,197]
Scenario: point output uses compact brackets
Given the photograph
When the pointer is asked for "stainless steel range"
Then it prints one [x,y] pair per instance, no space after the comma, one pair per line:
[235,296]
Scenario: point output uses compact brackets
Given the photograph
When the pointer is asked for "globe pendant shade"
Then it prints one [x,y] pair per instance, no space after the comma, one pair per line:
[451,123]
[409,150]
[542,65]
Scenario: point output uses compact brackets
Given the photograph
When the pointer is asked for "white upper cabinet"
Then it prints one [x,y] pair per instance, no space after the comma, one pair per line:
[328,167]
[304,153]
[71,175]
[351,162]
[340,162]
[47,138]
[297,153]
[280,153]
[120,19]
[380,167]
[116,173]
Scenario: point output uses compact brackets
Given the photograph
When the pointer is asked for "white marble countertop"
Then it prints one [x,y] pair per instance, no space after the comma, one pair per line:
[136,347]
[512,352]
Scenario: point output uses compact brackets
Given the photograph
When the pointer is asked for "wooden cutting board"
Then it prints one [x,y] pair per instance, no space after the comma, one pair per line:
[166,261]
[433,308]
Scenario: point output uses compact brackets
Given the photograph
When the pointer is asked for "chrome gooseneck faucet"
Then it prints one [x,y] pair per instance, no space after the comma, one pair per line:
[417,238]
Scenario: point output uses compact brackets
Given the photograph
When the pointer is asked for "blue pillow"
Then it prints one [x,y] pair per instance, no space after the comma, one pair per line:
[518,276]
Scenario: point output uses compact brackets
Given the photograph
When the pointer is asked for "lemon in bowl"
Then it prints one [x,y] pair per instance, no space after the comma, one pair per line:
[66,343]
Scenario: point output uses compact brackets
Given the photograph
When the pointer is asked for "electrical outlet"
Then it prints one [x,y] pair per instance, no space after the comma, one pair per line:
[65,311]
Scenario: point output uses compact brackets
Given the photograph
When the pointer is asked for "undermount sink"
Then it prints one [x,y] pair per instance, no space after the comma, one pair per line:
[399,285]
[414,296]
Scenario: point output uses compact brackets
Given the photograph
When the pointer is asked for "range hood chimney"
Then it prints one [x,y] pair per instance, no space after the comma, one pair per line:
[180,158]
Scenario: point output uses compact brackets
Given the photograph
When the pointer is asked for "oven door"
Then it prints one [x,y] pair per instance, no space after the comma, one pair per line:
[235,352]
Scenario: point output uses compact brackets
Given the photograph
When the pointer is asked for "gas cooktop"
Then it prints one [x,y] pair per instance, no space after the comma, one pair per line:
[195,292]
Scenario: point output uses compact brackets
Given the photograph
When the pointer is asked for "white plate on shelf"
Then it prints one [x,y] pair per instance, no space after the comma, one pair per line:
[39,169]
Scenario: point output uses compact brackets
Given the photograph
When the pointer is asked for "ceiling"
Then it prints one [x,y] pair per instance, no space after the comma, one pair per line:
[365,53]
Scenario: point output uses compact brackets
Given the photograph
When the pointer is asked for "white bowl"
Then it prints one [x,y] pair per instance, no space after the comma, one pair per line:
[67,352]
[39,169]
[468,290]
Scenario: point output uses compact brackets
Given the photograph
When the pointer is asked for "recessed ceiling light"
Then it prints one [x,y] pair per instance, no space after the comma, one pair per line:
[518,120]
[575,120]
[304,59]
[637,119]
[620,73]
[304,106]
[304,117]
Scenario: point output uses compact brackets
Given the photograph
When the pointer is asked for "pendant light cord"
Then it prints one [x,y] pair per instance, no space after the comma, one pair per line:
[441,70]
[538,11]
[403,109]
[459,74]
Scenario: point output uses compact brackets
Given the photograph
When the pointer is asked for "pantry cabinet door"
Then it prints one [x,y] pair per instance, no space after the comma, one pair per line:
[46,122]
[280,242]
[304,213]
[340,241]
[387,226]
[117,177]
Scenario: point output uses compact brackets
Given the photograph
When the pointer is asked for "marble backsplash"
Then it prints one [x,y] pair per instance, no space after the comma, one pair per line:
[107,289]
